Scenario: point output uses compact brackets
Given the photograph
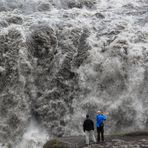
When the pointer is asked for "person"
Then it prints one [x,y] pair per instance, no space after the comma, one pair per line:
[88,128]
[100,125]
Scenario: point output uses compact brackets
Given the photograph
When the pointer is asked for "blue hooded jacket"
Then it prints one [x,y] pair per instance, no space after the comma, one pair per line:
[99,119]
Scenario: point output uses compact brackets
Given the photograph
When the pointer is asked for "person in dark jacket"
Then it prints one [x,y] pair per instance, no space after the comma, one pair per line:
[88,128]
[100,125]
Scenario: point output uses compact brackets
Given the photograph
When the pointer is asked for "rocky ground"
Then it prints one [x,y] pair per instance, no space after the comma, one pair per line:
[132,140]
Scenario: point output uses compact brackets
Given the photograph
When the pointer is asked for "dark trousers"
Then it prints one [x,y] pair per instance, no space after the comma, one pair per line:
[100,133]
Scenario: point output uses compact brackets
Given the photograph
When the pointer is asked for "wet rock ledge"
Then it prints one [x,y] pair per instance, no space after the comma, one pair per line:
[128,140]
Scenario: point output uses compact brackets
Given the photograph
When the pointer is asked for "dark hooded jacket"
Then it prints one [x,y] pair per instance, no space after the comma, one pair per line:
[88,125]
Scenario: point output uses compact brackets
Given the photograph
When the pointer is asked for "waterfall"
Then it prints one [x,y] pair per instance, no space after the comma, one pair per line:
[62,59]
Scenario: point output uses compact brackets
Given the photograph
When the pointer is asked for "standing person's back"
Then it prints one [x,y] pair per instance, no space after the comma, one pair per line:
[100,125]
[88,128]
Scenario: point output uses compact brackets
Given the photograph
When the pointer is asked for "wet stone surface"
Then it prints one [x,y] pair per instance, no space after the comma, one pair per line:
[133,141]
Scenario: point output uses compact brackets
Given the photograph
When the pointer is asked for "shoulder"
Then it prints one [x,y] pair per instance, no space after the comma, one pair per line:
[104,116]
[85,120]
[91,120]
[97,116]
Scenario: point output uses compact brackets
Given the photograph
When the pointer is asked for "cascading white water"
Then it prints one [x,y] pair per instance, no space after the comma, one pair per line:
[34,137]
[61,59]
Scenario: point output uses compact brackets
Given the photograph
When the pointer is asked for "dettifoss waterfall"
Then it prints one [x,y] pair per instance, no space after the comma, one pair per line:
[61,59]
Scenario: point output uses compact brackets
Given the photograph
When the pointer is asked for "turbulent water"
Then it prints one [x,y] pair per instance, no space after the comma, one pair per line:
[61,59]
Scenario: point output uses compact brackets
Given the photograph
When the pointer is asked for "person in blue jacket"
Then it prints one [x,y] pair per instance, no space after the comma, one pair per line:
[100,125]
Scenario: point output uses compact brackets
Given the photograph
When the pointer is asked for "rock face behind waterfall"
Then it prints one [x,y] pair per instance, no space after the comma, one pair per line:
[62,59]
[40,75]
[13,104]
[55,82]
